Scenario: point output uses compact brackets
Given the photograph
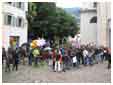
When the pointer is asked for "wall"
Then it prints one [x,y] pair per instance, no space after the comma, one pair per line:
[8,31]
[87,30]
[103,14]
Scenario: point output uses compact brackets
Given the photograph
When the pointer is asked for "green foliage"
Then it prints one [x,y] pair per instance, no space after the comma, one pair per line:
[50,22]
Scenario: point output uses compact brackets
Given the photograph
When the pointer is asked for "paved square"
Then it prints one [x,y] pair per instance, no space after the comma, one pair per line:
[29,74]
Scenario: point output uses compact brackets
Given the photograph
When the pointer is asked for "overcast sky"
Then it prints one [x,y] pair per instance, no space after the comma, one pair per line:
[68,4]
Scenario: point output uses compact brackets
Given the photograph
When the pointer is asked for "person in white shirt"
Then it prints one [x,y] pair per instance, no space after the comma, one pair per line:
[74,59]
[85,53]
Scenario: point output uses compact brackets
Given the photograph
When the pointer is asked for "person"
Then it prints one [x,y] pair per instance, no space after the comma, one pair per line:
[74,61]
[85,54]
[105,54]
[58,62]
[101,55]
[109,57]
[8,58]
[48,57]
[65,61]
[30,57]
[81,56]
[15,59]
[78,56]
[3,55]
[97,55]
[7,67]
[23,55]
[91,52]
[53,58]
[62,51]
[36,54]
[69,58]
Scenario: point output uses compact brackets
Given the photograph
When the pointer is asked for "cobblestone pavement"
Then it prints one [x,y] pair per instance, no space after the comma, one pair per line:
[29,74]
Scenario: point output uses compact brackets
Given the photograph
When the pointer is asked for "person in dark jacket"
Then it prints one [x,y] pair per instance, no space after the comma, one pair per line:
[23,55]
[15,59]
[78,55]
[109,61]
[109,57]
[3,55]
[8,59]
[65,62]
[7,67]
[30,57]
[97,55]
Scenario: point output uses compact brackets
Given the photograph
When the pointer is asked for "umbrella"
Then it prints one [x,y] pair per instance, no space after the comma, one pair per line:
[48,48]
[25,46]
[33,45]
[41,42]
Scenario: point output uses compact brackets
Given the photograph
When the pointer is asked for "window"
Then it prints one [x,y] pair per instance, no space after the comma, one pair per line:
[20,5]
[93,19]
[19,22]
[9,3]
[9,20]
[95,4]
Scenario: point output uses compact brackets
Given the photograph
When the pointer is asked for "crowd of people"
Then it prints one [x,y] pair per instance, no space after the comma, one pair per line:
[66,58]
[63,58]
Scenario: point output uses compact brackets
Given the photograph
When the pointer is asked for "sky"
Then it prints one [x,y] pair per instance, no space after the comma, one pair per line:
[68,4]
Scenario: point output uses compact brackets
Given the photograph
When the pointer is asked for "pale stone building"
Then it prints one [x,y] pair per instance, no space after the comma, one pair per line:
[13,23]
[104,24]
[99,31]
[88,23]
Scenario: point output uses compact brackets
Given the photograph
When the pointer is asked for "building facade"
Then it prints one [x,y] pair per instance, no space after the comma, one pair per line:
[95,24]
[104,24]
[13,23]
[88,23]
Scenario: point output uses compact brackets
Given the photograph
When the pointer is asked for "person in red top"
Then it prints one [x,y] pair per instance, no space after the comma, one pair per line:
[58,61]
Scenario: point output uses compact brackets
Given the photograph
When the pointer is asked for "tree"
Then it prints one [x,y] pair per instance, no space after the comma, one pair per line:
[50,22]
[30,16]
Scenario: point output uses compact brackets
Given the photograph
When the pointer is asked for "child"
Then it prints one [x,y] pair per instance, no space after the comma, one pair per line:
[74,61]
